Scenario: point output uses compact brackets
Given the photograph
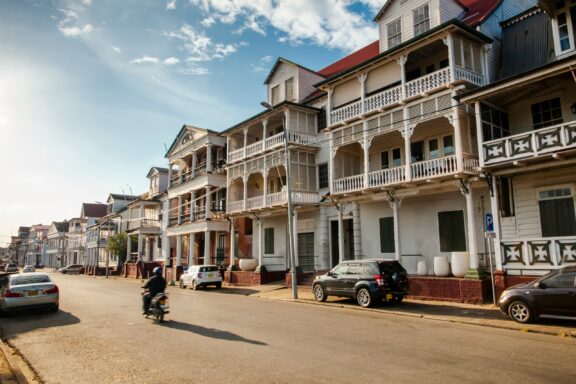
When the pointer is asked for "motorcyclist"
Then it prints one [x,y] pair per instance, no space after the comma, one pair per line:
[155,285]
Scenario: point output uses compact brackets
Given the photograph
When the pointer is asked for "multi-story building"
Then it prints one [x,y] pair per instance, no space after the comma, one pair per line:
[194,207]
[56,244]
[22,245]
[77,230]
[36,250]
[528,143]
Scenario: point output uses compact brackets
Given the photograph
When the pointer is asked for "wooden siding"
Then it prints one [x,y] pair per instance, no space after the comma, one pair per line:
[304,85]
[449,10]
[283,73]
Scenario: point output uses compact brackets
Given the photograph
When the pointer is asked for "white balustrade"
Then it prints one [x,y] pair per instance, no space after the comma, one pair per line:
[470,76]
[235,155]
[471,163]
[301,138]
[274,141]
[435,167]
[255,202]
[347,112]
[349,184]
[386,177]
[305,197]
[540,254]
[531,144]
[255,148]
[235,206]
[427,83]
[278,198]
[383,99]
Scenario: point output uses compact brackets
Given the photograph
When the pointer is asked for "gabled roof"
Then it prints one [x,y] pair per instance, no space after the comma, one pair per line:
[184,129]
[281,60]
[157,169]
[23,229]
[93,210]
[61,226]
[351,60]
[117,196]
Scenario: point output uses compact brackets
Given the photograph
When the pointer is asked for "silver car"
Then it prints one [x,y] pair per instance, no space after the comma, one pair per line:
[29,290]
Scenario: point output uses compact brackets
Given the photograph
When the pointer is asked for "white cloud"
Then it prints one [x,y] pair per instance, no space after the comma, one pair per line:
[263,65]
[171,4]
[75,31]
[208,22]
[116,49]
[87,3]
[145,60]
[329,23]
[171,61]
[200,47]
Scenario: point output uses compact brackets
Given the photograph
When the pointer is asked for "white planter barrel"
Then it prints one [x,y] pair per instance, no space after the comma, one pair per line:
[460,263]
[441,266]
[422,268]
[248,264]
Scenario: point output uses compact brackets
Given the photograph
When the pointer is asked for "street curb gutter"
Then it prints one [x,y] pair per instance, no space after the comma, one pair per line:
[21,370]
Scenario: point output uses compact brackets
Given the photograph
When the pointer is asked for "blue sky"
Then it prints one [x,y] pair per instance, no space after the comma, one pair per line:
[91,91]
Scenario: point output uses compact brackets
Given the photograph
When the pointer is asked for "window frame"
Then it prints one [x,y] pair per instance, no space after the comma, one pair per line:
[395,39]
[286,96]
[320,178]
[275,90]
[452,247]
[548,123]
[269,241]
[426,19]
[539,199]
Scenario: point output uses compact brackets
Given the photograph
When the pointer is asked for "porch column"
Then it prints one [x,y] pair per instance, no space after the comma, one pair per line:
[340,234]
[331,162]
[329,92]
[140,241]
[449,41]
[141,216]
[265,182]
[209,158]
[245,140]
[495,209]
[207,246]
[397,246]
[194,164]
[366,148]
[402,62]
[192,206]
[466,189]
[169,174]
[180,203]
[479,135]
[178,250]
[260,241]
[362,79]
[264,127]
[245,180]
[295,236]
[232,243]
[407,134]
[485,49]
[191,260]
[455,117]
[128,247]
[208,202]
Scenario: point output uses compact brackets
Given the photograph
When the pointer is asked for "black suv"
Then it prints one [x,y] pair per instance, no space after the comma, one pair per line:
[366,280]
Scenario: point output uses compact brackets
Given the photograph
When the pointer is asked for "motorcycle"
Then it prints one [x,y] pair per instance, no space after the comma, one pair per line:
[158,307]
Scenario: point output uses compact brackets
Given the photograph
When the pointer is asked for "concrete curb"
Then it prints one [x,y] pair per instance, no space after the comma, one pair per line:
[14,363]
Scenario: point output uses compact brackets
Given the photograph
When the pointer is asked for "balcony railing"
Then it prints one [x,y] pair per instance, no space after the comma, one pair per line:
[272,200]
[538,253]
[421,170]
[531,144]
[272,142]
[144,223]
[417,87]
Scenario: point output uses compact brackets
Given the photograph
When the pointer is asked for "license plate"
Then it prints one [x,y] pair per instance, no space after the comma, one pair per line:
[32,293]
[388,296]
[210,274]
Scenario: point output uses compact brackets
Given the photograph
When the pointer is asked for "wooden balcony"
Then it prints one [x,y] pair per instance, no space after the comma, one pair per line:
[270,143]
[538,254]
[415,88]
[271,201]
[533,144]
[420,171]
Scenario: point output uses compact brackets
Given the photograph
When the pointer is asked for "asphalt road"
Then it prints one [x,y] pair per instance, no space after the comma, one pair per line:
[99,336]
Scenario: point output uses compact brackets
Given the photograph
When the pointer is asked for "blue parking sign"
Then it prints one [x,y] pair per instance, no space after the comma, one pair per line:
[489,222]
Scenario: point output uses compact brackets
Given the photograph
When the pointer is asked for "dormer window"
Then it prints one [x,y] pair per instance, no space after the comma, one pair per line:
[421,20]
[565,30]
[275,95]
[394,33]
[289,89]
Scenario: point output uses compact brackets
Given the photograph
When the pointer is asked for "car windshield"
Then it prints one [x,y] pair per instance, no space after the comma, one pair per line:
[210,269]
[23,280]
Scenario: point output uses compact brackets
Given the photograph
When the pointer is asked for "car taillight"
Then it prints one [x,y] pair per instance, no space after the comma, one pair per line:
[379,279]
[200,274]
[51,290]
[10,293]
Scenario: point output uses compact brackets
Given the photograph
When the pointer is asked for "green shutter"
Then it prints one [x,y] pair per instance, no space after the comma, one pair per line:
[387,235]
[451,230]
[269,241]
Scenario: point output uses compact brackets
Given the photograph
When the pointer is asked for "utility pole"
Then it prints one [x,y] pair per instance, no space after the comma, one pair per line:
[290,217]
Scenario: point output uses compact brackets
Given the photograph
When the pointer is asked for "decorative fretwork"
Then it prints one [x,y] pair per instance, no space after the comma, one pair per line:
[540,252]
[571,133]
[550,139]
[512,253]
[567,251]
[521,145]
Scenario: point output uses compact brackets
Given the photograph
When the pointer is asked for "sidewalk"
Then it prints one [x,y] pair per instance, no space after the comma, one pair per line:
[486,315]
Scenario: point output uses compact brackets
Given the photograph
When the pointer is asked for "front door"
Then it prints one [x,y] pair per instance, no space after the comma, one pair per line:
[220,248]
[306,251]
[348,232]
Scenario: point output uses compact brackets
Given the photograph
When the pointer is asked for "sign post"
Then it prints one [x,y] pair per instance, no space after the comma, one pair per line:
[489,235]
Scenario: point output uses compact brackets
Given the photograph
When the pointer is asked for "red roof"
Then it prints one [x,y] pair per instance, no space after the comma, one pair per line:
[478,10]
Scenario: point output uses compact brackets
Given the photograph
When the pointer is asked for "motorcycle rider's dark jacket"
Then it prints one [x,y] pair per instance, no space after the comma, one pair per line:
[155,285]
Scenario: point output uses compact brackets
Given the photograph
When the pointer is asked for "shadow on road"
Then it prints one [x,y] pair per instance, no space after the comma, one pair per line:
[208,332]
[26,320]
[231,290]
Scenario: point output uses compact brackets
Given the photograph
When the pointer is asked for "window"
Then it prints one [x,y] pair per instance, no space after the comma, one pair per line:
[505,196]
[323,176]
[385,160]
[387,235]
[275,95]
[546,113]
[451,231]
[561,280]
[354,269]
[341,269]
[396,157]
[321,117]
[248,226]
[557,217]
[494,123]
[289,89]
[394,33]
[421,20]
[269,241]
[448,143]
[417,151]
[433,149]
[563,35]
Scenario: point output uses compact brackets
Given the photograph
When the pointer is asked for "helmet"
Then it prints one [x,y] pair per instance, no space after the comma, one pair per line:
[157,271]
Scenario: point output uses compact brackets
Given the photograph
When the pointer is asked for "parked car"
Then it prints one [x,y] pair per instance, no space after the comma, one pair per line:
[29,290]
[551,295]
[12,267]
[201,276]
[29,268]
[73,268]
[368,281]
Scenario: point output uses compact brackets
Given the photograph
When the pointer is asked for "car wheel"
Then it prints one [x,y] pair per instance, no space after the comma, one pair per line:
[520,312]
[182,286]
[194,285]
[218,285]
[364,298]
[319,293]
